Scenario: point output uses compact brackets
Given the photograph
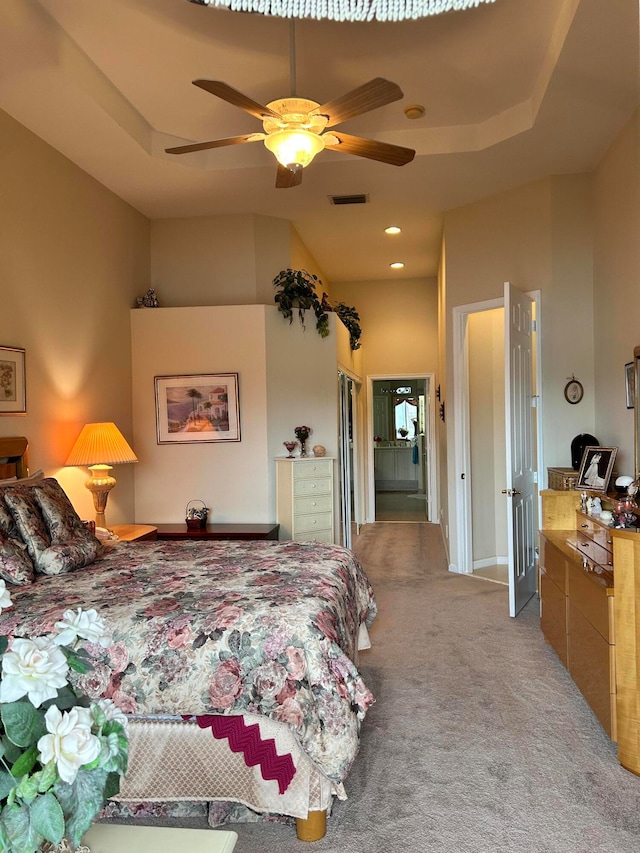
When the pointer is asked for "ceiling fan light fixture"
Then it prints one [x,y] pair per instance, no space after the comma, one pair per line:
[294,147]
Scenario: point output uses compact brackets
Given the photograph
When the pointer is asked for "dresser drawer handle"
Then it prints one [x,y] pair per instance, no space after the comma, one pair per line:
[584,525]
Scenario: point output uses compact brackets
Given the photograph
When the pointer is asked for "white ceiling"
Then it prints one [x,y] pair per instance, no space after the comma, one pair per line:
[513,91]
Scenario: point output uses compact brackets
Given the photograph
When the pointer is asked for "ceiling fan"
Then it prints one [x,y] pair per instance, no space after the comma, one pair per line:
[294,128]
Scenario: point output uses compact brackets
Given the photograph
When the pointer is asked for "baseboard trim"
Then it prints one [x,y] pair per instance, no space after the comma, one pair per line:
[490,561]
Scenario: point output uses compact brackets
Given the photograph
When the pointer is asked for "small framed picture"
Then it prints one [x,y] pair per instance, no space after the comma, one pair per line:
[596,468]
[197,408]
[630,385]
[13,389]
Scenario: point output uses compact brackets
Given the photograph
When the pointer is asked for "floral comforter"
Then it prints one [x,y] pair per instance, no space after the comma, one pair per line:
[223,628]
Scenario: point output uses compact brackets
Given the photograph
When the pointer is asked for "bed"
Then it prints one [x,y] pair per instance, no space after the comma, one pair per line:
[236,662]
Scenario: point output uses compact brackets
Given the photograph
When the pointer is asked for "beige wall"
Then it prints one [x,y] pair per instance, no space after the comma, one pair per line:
[616,196]
[73,257]
[218,260]
[399,324]
[286,377]
[539,237]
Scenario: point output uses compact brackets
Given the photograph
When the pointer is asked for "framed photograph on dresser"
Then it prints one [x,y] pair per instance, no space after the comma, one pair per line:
[197,408]
[630,385]
[13,391]
[596,468]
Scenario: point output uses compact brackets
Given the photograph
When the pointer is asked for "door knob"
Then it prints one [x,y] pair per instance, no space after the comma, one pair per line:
[511,492]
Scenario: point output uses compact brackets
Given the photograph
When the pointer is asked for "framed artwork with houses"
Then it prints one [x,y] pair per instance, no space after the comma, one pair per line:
[197,408]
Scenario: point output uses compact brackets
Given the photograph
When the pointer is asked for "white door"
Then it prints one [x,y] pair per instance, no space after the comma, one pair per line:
[521,515]
[346,439]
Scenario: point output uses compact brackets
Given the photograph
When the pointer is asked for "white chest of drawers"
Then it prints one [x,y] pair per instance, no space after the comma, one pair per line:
[304,498]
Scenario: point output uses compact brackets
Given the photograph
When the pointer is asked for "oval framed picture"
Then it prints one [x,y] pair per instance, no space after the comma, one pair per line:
[573,391]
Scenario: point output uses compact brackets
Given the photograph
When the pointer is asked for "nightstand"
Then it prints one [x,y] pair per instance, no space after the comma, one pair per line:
[135,532]
[218,531]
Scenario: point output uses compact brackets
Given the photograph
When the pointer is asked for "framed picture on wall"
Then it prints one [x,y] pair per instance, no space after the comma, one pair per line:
[596,468]
[197,408]
[13,391]
[629,381]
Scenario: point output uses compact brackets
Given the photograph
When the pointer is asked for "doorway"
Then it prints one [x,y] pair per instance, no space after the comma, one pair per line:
[483,406]
[401,458]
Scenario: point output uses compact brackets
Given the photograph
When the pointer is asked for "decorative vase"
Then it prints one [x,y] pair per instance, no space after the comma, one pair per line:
[291,446]
[303,447]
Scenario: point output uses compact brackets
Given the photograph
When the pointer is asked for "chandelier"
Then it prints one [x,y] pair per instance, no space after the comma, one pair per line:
[346,10]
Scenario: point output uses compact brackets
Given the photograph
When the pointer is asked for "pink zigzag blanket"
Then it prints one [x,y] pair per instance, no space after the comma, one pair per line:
[248,740]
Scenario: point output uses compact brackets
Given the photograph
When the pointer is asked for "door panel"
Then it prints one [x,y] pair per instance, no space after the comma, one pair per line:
[520,489]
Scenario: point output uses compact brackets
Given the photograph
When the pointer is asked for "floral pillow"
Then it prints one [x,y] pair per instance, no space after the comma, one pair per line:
[24,508]
[15,564]
[73,545]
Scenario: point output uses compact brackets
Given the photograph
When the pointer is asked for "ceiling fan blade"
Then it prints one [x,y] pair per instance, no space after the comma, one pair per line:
[395,155]
[286,178]
[232,96]
[215,143]
[376,93]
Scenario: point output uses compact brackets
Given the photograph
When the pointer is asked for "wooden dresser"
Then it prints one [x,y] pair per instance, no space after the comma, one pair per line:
[304,498]
[590,613]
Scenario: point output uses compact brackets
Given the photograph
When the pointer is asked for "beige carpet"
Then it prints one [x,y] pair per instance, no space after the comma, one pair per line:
[479,741]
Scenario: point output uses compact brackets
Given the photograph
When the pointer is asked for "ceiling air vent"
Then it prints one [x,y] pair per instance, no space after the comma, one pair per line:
[349,199]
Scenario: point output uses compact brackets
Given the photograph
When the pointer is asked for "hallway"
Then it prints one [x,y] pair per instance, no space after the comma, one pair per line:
[401,506]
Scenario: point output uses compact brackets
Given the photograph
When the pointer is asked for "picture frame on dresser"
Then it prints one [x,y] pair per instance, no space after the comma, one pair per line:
[630,384]
[13,386]
[197,408]
[596,468]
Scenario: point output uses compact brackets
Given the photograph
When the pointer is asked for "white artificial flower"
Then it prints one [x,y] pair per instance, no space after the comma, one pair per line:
[69,742]
[5,598]
[36,668]
[85,624]
[111,711]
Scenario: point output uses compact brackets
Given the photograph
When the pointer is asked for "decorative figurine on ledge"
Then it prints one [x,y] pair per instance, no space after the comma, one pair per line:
[149,300]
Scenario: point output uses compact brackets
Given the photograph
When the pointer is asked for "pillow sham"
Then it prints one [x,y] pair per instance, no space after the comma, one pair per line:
[26,514]
[72,543]
[15,564]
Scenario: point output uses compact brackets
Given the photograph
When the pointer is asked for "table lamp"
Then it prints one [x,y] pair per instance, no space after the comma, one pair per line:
[98,447]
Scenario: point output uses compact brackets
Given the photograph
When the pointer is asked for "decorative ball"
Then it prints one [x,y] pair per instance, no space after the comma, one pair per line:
[319,450]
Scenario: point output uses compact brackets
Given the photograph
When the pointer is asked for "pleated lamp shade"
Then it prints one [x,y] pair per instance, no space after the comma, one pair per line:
[100,444]
[98,447]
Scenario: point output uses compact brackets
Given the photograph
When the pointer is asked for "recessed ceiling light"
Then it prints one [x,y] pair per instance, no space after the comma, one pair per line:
[396,265]
[392,229]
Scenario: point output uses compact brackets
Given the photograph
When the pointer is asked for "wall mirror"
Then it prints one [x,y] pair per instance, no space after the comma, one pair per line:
[636,418]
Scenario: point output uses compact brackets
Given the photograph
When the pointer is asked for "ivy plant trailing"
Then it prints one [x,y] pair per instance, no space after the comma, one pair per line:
[351,320]
[298,290]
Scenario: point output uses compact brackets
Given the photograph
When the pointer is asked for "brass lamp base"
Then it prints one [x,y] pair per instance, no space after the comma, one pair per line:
[100,484]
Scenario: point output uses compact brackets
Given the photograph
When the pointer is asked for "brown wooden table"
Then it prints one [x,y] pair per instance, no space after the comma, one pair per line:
[218,531]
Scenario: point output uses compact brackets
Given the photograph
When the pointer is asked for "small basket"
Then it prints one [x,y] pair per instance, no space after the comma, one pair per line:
[196,516]
[562,479]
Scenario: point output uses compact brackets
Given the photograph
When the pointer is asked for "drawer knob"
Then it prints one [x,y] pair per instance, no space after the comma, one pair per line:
[584,525]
